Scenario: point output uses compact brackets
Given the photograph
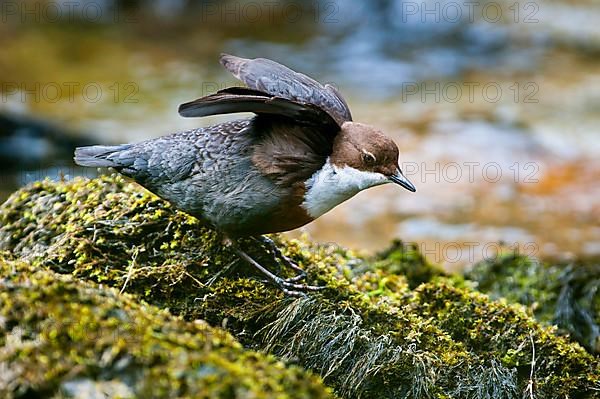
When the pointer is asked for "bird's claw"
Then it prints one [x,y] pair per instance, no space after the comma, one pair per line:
[295,279]
[289,287]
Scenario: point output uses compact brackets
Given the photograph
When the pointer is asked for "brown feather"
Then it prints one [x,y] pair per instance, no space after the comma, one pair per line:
[289,153]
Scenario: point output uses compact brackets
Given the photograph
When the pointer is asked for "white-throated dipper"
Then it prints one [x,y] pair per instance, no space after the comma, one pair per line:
[297,158]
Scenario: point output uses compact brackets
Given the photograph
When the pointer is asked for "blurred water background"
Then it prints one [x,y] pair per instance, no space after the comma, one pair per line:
[494,104]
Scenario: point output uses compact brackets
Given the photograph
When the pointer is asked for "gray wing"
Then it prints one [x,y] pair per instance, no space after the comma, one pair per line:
[241,99]
[278,80]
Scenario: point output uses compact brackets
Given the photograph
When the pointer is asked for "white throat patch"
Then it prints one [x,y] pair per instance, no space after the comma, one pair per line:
[332,185]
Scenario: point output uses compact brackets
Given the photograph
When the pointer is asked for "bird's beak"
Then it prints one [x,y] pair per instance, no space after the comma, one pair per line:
[400,179]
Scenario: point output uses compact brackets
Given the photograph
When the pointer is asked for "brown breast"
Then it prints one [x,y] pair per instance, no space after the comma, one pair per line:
[288,215]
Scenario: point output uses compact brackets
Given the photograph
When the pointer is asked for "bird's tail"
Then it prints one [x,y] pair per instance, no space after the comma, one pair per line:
[100,156]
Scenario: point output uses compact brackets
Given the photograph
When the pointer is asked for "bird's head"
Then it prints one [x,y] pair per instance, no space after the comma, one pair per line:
[372,155]
[362,157]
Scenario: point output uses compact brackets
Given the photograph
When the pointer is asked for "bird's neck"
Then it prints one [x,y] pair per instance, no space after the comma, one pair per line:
[332,184]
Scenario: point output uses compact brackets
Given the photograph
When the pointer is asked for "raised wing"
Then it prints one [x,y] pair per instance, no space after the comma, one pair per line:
[241,99]
[280,81]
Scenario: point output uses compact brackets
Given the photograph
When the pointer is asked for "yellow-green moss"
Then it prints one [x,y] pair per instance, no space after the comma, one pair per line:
[61,336]
[567,295]
[393,326]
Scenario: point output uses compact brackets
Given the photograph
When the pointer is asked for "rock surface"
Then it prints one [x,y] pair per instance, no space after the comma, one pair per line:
[390,326]
[566,295]
[66,338]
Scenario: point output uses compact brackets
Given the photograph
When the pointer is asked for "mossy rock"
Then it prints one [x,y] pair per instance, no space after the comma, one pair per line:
[61,337]
[388,327]
[564,294]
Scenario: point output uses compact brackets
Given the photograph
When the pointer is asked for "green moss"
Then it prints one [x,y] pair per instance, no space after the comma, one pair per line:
[62,336]
[492,329]
[405,259]
[393,326]
[566,295]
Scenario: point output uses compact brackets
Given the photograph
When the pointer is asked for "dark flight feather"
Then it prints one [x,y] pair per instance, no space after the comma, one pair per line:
[278,80]
[240,99]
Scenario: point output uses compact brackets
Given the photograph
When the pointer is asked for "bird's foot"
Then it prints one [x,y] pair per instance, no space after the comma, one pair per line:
[279,257]
[294,289]
[288,286]
[295,279]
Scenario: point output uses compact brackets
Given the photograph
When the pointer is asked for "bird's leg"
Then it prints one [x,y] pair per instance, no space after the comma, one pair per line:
[288,287]
[279,256]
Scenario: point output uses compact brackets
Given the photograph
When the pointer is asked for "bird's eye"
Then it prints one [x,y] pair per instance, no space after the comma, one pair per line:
[368,158]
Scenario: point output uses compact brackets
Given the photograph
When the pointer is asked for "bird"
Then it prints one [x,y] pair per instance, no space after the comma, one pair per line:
[296,158]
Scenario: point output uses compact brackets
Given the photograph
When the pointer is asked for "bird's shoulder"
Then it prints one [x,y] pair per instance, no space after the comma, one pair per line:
[288,153]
